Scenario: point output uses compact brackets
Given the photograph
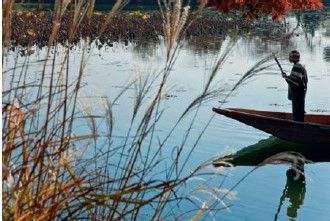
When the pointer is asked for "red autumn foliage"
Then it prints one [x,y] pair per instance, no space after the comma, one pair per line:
[253,8]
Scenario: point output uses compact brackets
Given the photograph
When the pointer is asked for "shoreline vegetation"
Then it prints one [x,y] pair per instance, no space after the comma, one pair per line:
[34,27]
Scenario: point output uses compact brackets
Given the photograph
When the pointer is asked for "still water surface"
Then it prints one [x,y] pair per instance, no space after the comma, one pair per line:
[267,193]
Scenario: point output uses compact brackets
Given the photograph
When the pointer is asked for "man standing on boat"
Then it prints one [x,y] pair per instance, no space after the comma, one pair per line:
[297,81]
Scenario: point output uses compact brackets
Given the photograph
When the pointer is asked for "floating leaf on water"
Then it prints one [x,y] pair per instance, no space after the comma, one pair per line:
[145,17]
[30,32]
[97,13]
[29,14]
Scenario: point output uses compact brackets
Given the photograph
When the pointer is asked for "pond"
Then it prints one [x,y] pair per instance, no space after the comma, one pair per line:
[265,194]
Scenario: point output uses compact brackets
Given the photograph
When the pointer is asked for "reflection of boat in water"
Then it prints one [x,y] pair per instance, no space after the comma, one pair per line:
[255,154]
[315,129]
[295,188]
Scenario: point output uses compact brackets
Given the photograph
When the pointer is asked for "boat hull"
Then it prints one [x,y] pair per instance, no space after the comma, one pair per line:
[315,131]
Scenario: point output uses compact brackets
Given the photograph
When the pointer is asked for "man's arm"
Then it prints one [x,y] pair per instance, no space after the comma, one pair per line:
[289,80]
[305,73]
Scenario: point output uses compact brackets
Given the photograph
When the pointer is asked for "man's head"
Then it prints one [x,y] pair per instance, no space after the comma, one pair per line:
[294,56]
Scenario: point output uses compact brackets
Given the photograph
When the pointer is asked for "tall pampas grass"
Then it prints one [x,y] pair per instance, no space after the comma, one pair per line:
[174,18]
[40,179]
[47,173]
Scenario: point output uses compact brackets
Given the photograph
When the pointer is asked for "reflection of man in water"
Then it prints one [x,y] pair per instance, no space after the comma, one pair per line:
[295,191]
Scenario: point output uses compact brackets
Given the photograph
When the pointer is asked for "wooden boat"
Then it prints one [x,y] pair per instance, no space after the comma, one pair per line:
[256,154]
[315,129]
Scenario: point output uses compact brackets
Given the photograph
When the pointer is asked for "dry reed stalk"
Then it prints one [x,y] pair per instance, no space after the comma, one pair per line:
[90,9]
[15,123]
[89,14]
[174,20]
[60,7]
[6,17]
[117,6]
[77,16]
[81,10]
[199,213]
